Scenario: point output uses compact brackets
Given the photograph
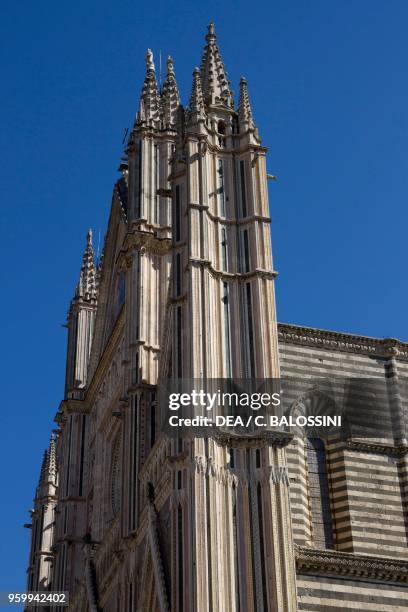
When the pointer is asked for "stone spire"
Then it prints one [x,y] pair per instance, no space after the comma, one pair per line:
[43,470]
[49,464]
[149,111]
[216,87]
[245,116]
[43,521]
[87,286]
[244,106]
[196,109]
[170,96]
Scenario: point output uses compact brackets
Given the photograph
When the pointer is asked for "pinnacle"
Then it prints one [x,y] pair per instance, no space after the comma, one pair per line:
[196,106]
[44,466]
[149,109]
[170,96]
[244,106]
[86,288]
[216,87]
[52,456]
[49,463]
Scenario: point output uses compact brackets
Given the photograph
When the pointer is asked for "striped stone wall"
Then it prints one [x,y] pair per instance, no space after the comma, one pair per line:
[367,502]
[367,480]
[329,594]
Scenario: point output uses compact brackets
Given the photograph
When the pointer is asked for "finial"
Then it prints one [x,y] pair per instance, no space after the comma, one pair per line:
[149,61]
[89,237]
[210,31]
[170,66]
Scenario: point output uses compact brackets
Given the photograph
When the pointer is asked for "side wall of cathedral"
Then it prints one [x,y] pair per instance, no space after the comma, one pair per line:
[348,497]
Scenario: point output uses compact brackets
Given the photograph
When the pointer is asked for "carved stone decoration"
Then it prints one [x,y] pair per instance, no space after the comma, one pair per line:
[362,566]
[338,341]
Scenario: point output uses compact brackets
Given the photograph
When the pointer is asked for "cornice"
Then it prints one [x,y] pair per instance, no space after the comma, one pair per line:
[143,225]
[69,406]
[149,133]
[339,341]
[311,560]
[235,150]
[225,221]
[242,276]
[141,239]
[377,448]
[81,303]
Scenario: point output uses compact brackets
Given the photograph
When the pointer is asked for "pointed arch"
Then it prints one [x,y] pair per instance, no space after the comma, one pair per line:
[314,469]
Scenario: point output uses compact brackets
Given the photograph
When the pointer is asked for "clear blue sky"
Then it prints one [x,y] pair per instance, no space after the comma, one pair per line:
[328,81]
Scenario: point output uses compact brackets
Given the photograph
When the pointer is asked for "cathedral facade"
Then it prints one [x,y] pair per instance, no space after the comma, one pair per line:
[126,518]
